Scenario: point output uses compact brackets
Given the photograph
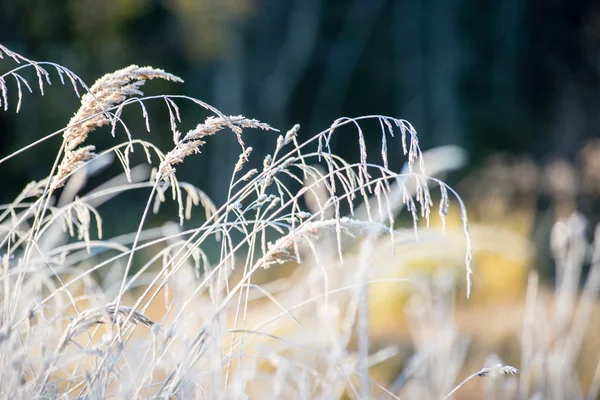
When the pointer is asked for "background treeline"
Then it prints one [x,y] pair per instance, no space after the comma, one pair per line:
[515,76]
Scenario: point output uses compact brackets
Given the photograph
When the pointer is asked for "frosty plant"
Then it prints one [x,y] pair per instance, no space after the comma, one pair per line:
[71,300]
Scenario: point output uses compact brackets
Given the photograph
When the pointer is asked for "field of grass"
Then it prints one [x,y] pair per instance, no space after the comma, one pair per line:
[317,278]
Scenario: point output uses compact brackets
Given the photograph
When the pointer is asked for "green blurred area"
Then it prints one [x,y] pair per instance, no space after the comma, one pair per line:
[502,75]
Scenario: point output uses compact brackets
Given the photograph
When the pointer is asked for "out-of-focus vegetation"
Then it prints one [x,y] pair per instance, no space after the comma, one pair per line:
[511,76]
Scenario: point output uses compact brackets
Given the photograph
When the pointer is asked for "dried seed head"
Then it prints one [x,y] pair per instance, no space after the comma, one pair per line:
[92,317]
[243,158]
[291,134]
[498,370]
[267,161]
[72,160]
[110,90]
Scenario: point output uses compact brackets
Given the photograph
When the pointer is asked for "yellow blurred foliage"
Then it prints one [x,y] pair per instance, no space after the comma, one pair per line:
[502,257]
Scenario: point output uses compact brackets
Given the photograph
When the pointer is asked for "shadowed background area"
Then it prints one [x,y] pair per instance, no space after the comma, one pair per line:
[512,77]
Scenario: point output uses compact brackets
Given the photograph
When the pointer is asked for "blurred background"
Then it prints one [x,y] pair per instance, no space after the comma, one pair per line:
[518,77]
[516,83]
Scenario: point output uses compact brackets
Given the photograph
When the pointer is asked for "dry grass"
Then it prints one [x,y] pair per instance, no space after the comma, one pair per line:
[78,320]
